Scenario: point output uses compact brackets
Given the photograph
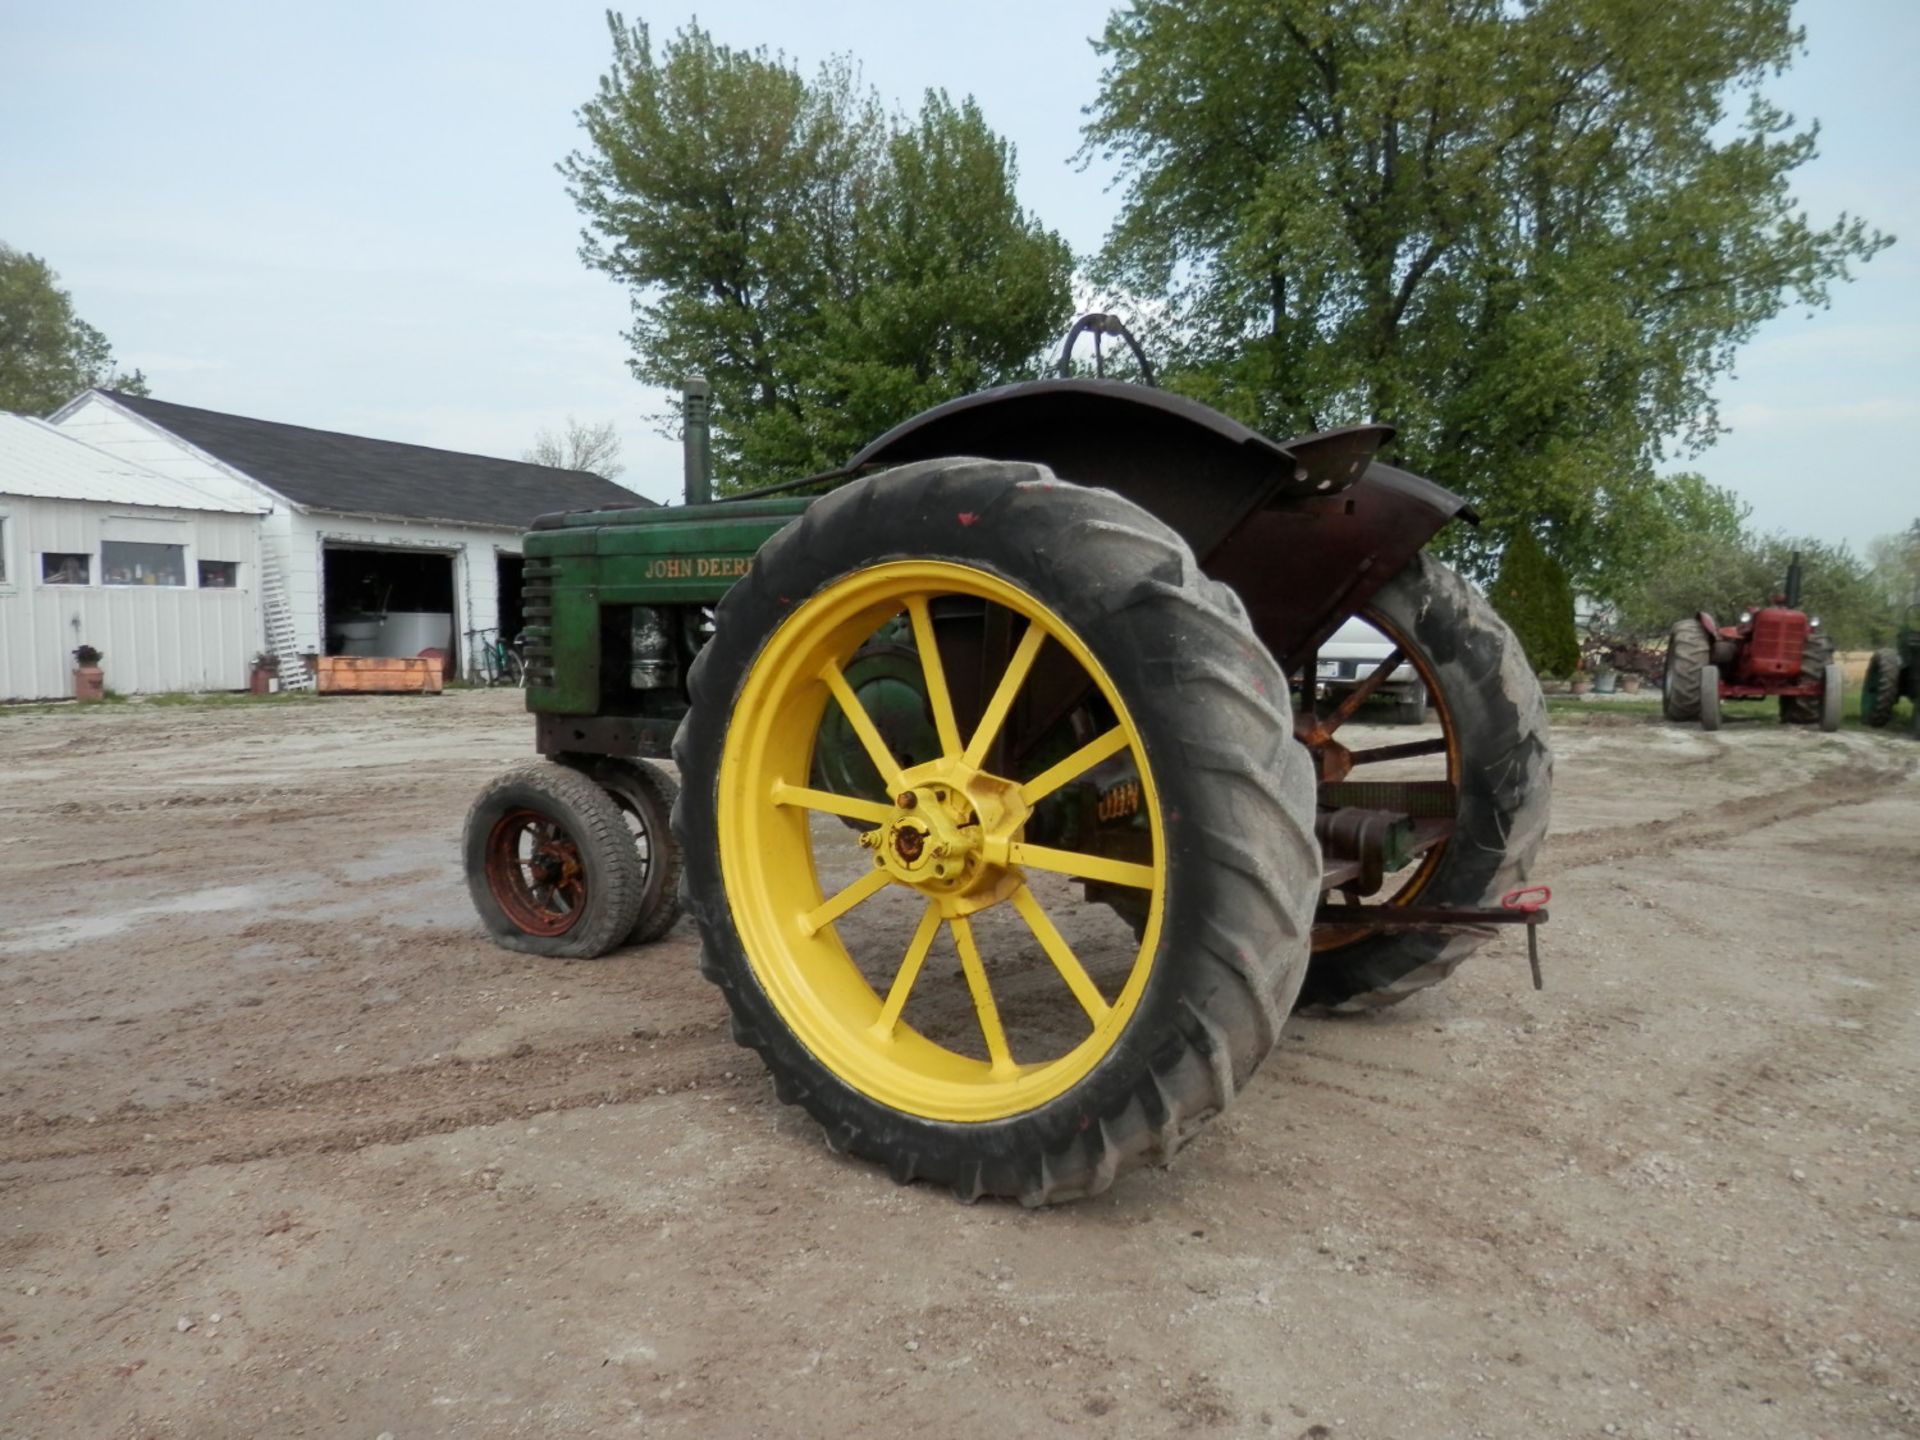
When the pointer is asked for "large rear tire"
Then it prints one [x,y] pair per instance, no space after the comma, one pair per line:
[1501,768]
[1689,657]
[1190,701]
[1880,691]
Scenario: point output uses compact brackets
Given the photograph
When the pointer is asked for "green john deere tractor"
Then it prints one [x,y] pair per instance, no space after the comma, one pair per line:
[1009,810]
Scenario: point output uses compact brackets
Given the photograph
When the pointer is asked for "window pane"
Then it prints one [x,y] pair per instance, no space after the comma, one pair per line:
[56,569]
[127,562]
[3,549]
[219,574]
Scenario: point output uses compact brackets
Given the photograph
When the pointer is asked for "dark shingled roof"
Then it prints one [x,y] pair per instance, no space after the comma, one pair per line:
[322,470]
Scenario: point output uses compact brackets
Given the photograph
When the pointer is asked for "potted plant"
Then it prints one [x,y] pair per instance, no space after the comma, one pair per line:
[88,681]
[1604,679]
[266,669]
[1582,682]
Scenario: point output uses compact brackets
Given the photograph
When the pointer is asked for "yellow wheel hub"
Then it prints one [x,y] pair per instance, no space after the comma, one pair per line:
[950,837]
[952,840]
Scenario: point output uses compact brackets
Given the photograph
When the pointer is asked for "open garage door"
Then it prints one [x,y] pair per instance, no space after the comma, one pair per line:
[388,601]
[512,618]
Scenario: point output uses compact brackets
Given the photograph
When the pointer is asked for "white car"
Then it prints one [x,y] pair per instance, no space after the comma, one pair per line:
[1353,653]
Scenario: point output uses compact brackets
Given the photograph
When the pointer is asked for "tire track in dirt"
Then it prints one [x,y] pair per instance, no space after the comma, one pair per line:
[356,1111]
[1851,783]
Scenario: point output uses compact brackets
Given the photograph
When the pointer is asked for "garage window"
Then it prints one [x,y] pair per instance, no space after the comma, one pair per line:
[219,574]
[128,562]
[63,569]
[3,549]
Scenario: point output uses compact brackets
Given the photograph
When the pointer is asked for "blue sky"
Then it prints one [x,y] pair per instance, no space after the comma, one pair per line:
[347,216]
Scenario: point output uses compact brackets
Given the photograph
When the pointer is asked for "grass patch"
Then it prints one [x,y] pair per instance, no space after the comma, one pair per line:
[232,697]
[1569,706]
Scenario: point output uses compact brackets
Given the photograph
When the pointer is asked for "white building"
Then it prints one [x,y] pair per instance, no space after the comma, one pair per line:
[160,575]
[367,546]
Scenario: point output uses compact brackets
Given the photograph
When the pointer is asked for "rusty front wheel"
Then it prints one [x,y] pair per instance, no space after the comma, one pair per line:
[550,863]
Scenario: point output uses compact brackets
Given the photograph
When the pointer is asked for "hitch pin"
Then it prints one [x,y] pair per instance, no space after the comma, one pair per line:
[1530,901]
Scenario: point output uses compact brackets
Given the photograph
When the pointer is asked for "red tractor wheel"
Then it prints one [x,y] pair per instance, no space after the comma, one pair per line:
[1833,694]
[1689,657]
[1815,657]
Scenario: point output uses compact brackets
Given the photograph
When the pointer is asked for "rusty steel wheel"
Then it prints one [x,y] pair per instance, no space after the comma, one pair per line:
[551,864]
[535,873]
[1477,791]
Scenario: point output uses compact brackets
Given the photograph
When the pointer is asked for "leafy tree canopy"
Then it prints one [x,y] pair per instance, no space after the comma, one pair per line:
[830,269]
[579,446]
[48,354]
[1529,233]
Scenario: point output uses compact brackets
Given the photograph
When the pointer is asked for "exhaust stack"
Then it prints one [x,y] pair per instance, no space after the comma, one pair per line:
[696,440]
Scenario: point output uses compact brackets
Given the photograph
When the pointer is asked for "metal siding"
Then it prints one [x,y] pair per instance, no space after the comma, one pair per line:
[154,639]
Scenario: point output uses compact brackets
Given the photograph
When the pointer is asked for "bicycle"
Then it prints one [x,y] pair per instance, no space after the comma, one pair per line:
[492,661]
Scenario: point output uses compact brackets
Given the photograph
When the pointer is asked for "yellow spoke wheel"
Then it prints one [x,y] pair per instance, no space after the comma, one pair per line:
[1053,949]
[948,840]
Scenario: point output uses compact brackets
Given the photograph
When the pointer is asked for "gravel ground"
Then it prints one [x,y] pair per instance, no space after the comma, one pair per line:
[289,1149]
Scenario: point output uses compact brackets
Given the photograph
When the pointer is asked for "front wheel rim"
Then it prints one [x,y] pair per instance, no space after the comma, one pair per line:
[953,840]
[536,873]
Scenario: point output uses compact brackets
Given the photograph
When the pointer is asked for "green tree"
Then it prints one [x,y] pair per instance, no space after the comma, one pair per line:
[1528,233]
[961,288]
[48,354]
[828,269]
[1533,595]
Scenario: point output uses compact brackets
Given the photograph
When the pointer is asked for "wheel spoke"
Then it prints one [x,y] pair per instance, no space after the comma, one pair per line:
[1075,765]
[823,915]
[849,807]
[909,972]
[1086,867]
[995,714]
[862,723]
[1001,1058]
[1062,956]
[1363,692]
[1407,751]
[939,700]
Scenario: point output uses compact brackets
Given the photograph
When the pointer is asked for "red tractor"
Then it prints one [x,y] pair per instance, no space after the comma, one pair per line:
[1775,651]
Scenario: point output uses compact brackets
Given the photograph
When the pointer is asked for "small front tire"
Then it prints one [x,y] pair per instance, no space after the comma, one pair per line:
[1710,699]
[645,794]
[551,865]
[1832,698]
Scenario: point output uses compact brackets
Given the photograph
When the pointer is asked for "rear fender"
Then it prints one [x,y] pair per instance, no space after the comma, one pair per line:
[1305,530]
